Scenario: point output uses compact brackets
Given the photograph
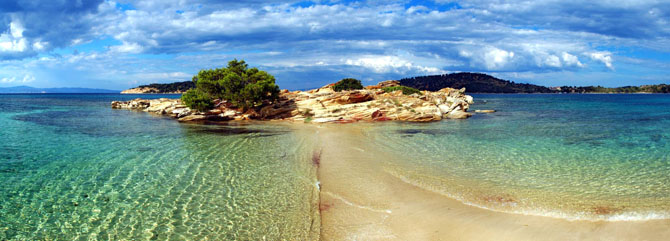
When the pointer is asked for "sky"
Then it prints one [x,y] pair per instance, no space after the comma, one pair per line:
[306,44]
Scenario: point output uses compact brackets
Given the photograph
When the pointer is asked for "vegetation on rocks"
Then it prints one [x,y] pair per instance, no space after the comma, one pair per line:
[405,90]
[347,84]
[238,84]
[197,100]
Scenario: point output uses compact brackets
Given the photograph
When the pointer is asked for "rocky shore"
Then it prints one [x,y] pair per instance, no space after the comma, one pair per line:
[326,105]
[148,90]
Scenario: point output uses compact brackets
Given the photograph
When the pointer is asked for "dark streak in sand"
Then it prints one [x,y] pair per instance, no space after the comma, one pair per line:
[316,158]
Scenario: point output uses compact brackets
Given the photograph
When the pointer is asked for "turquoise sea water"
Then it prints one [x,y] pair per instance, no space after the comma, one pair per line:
[580,157]
[73,168]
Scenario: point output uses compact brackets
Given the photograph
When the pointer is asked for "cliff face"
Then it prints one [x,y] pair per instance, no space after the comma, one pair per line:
[326,105]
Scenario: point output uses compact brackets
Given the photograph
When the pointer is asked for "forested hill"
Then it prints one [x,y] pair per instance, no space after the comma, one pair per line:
[172,88]
[473,83]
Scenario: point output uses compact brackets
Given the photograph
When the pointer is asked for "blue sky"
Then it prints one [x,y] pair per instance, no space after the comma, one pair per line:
[125,43]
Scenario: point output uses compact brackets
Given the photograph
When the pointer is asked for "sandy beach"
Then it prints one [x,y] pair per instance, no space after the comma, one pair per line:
[361,200]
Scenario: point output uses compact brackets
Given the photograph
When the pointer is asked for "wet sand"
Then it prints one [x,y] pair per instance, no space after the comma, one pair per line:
[360,200]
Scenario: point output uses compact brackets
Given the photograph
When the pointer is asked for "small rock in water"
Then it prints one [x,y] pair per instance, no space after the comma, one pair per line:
[458,115]
[485,111]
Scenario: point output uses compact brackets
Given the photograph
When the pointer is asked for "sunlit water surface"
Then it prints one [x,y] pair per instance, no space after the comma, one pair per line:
[71,167]
[579,157]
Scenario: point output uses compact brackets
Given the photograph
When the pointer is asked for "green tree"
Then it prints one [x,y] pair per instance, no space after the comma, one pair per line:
[347,84]
[240,85]
[197,100]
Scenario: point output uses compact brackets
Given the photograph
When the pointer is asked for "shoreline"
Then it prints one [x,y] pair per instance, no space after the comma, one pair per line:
[359,198]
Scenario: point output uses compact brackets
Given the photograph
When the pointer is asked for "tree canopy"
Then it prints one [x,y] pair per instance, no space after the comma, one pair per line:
[347,84]
[237,83]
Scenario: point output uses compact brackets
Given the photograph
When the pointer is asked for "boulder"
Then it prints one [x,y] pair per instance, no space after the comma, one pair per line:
[268,112]
[214,112]
[458,114]
[354,97]
[388,83]
[469,99]
[444,108]
[181,112]
[193,118]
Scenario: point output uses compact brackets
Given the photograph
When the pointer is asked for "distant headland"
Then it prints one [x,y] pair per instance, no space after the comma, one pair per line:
[473,82]
[172,88]
[483,83]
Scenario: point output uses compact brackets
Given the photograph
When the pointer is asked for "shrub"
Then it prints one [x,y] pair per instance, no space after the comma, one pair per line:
[347,84]
[197,100]
[405,90]
[242,86]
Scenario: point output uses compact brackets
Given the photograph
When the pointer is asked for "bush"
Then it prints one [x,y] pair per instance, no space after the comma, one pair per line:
[238,84]
[197,100]
[405,90]
[347,84]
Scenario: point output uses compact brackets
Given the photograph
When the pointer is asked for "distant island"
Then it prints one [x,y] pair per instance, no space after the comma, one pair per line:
[33,90]
[483,83]
[172,88]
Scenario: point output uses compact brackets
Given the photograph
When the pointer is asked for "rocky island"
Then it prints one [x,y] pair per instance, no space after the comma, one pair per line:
[372,103]
[237,92]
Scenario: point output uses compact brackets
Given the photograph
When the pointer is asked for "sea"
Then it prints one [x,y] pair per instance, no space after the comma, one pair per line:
[73,168]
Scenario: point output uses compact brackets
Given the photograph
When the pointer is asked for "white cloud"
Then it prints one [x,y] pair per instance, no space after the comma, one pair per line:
[553,61]
[16,29]
[496,59]
[26,79]
[12,40]
[126,47]
[38,45]
[604,57]
[571,60]
[414,9]
[386,64]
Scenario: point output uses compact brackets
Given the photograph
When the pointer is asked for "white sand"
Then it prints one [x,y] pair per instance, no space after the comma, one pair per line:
[360,201]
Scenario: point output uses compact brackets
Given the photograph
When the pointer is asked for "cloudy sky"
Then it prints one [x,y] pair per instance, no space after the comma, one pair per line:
[124,43]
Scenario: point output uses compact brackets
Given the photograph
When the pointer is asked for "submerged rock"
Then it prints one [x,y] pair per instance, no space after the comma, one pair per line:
[326,105]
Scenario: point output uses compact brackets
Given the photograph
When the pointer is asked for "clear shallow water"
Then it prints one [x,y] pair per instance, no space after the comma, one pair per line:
[71,167]
[583,157]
